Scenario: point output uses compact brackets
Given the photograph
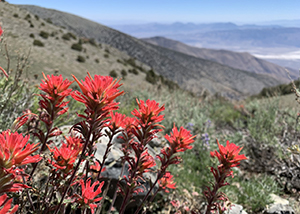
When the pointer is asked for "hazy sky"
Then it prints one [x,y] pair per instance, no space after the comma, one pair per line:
[167,11]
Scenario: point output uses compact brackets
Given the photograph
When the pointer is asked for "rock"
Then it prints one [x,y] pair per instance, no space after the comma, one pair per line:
[278,200]
[280,209]
[279,206]
[236,209]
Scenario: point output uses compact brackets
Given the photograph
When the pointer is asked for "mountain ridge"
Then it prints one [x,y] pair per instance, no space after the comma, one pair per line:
[238,60]
[170,64]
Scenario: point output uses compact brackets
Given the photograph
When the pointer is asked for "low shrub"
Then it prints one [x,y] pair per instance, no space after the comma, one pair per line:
[16,15]
[151,77]
[38,43]
[80,59]
[44,34]
[124,73]
[97,60]
[77,47]
[133,71]
[113,74]
[31,35]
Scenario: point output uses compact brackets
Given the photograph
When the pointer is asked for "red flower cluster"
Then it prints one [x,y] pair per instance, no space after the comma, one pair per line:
[117,121]
[98,94]
[228,157]
[66,155]
[148,113]
[167,182]
[56,90]
[180,140]
[87,198]
[14,153]
[5,205]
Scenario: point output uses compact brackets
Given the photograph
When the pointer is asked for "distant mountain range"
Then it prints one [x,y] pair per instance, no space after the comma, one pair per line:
[243,61]
[157,29]
[273,41]
[191,73]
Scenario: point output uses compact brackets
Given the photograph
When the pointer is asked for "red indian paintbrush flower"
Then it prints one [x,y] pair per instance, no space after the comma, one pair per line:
[14,151]
[9,179]
[98,94]
[5,205]
[167,182]
[148,112]
[55,87]
[117,121]
[65,156]
[87,198]
[56,90]
[146,162]
[229,155]
[180,140]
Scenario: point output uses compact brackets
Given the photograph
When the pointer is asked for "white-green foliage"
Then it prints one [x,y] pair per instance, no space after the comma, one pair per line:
[15,97]
[264,125]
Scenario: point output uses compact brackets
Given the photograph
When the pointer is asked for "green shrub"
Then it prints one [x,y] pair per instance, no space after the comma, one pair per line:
[38,43]
[131,62]
[97,60]
[16,15]
[69,36]
[113,74]
[42,24]
[49,20]
[106,50]
[133,71]
[27,17]
[106,55]
[31,35]
[37,17]
[66,37]
[77,47]
[44,34]
[80,59]
[124,73]
[93,42]
[151,77]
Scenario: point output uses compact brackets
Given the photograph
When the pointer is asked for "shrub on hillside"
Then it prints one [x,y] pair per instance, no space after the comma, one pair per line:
[77,47]
[16,15]
[31,35]
[97,60]
[38,43]
[151,77]
[124,73]
[49,20]
[113,74]
[133,71]
[27,17]
[69,36]
[93,42]
[80,58]
[44,34]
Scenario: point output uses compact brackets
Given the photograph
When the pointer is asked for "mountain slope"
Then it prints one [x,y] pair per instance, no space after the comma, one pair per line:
[196,76]
[56,56]
[243,61]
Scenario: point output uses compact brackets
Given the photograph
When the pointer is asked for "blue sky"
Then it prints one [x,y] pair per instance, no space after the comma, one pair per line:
[169,11]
